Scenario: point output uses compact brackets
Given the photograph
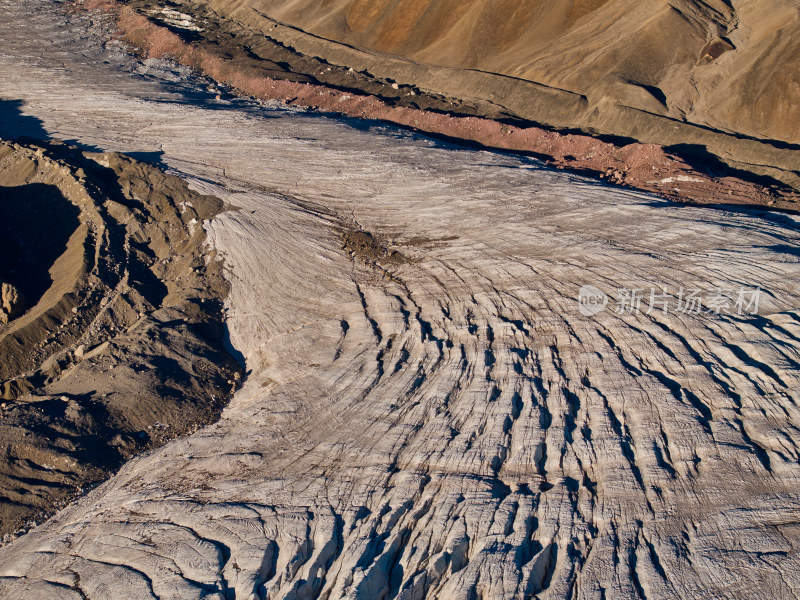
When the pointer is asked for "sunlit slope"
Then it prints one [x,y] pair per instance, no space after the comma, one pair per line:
[674,72]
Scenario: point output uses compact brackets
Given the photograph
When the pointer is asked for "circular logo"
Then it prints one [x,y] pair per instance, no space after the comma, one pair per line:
[591,301]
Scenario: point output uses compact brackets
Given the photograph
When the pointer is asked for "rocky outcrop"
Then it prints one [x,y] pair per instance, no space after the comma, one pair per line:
[12,304]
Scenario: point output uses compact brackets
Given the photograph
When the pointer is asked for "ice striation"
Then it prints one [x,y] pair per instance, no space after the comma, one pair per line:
[427,413]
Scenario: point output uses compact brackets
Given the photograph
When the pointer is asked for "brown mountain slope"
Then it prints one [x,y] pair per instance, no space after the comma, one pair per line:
[667,72]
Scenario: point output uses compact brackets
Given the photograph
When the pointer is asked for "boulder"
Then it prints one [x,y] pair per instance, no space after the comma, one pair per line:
[12,303]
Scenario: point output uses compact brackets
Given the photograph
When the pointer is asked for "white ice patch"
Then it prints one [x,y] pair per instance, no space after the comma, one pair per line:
[681,179]
[175,18]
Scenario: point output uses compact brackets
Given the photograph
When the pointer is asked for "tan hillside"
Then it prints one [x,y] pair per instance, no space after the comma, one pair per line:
[674,72]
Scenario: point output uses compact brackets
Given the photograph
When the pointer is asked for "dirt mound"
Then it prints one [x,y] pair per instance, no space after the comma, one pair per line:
[710,78]
[121,346]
